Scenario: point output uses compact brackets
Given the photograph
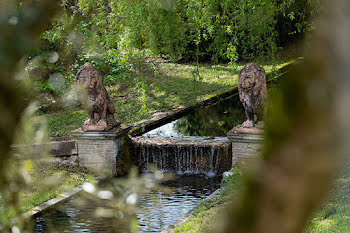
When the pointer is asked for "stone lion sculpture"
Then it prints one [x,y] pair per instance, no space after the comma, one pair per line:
[252,92]
[95,100]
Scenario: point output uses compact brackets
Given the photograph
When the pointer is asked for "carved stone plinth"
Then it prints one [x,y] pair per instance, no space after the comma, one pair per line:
[245,145]
[99,150]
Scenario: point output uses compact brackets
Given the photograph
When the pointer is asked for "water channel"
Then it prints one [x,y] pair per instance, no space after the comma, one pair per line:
[157,209]
[213,120]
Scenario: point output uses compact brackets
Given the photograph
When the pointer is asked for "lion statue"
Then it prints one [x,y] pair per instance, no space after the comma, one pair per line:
[94,98]
[252,92]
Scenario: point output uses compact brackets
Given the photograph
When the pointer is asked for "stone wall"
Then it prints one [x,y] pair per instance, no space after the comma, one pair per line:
[63,152]
[59,148]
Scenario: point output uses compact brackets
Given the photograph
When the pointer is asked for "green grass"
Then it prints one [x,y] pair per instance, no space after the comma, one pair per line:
[63,123]
[46,183]
[332,217]
[158,86]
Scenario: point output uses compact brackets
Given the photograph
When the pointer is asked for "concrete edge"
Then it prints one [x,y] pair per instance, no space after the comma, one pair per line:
[64,197]
[186,140]
[190,213]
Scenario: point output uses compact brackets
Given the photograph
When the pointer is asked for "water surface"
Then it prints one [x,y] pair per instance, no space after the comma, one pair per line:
[214,120]
[157,209]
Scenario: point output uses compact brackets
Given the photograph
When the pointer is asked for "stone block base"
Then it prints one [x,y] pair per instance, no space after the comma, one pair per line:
[98,150]
[245,146]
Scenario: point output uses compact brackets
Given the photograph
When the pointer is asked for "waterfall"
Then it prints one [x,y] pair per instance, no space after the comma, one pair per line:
[184,155]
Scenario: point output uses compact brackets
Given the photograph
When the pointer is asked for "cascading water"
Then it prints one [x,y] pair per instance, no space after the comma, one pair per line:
[185,155]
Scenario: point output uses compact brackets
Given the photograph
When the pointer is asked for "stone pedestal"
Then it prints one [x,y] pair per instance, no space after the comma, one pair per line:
[99,150]
[245,146]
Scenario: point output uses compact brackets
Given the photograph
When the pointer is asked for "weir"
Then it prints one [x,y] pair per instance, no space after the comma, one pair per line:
[183,155]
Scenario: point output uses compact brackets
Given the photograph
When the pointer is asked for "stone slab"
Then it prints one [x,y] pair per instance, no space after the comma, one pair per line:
[79,134]
[63,148]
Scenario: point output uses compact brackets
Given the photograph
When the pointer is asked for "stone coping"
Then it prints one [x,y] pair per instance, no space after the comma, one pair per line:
[52,202]
[108,135]
[248,138]
[185,141]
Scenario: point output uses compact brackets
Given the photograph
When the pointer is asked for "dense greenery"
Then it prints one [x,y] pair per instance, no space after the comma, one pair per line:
[189,29]
[114,35]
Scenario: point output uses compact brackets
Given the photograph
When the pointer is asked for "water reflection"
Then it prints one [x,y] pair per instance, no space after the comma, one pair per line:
[157,209]
[214,120]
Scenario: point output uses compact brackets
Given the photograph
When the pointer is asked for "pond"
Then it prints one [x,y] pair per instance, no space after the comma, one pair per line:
[157,209]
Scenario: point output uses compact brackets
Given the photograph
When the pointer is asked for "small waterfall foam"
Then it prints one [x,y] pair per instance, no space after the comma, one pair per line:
[191,155]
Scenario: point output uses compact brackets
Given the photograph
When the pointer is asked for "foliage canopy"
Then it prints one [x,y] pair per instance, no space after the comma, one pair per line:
[183,29]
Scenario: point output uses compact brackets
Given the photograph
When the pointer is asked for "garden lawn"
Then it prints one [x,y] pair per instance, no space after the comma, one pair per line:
[332,217]
[157,86]
[47,183]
